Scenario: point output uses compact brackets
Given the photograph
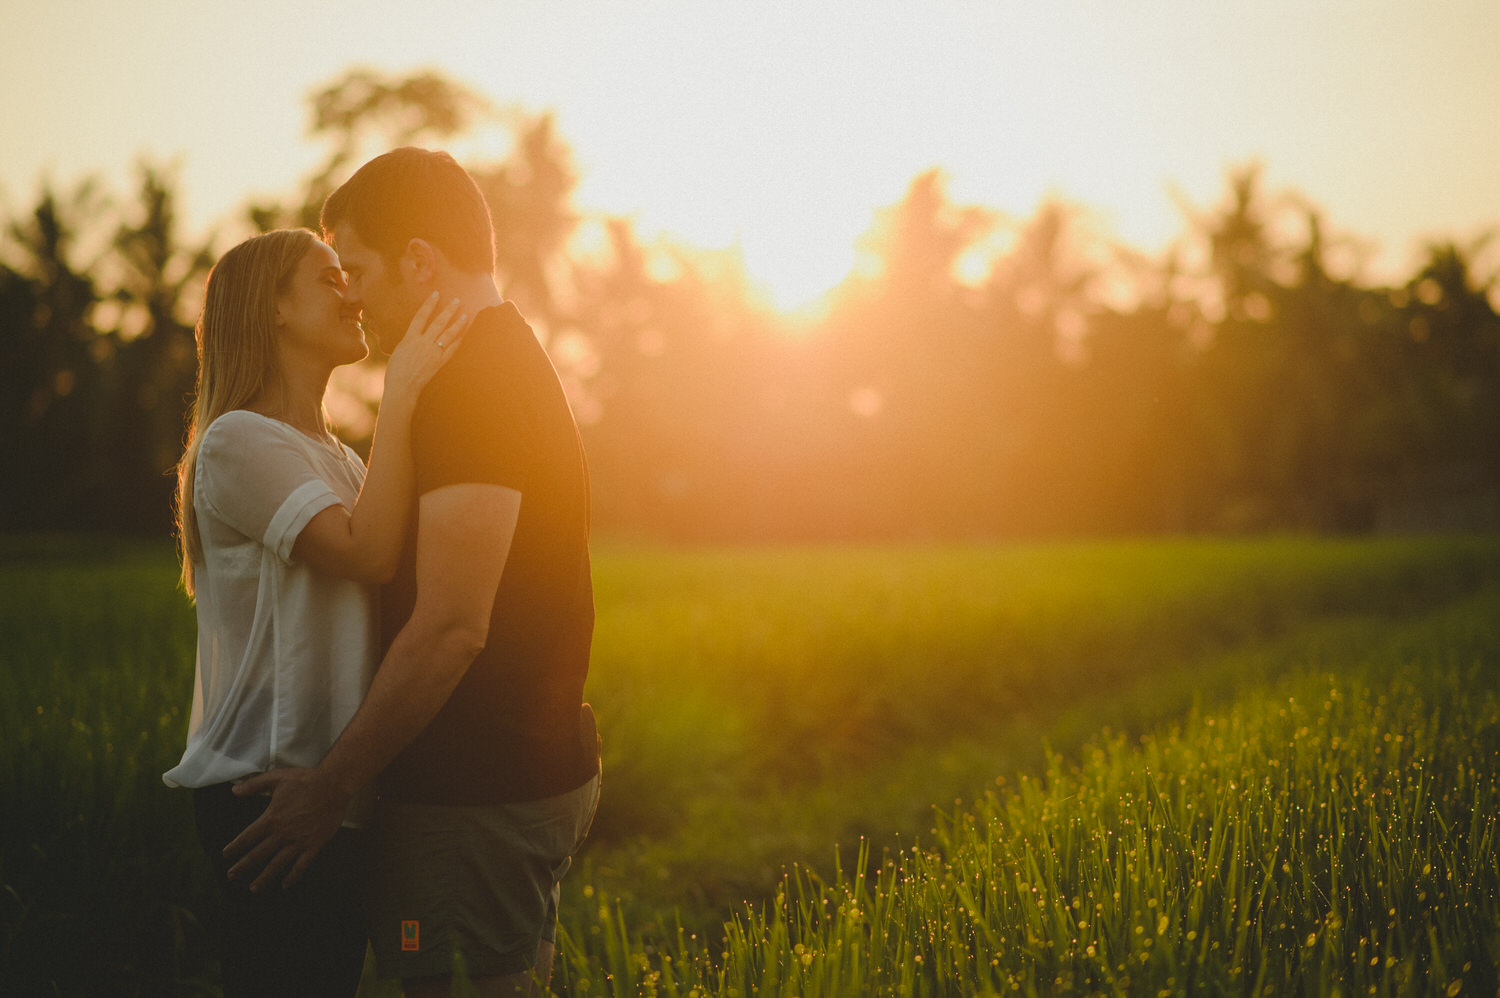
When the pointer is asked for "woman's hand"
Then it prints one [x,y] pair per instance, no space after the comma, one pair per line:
[364,544]
[429,341]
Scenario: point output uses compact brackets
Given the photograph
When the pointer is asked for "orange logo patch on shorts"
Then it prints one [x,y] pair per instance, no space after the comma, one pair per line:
[410,935]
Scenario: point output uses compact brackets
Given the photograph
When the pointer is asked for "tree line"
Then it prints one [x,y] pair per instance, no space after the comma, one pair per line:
[1250,379]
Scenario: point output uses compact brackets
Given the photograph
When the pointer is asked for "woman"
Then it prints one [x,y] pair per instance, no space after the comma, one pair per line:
[284,536]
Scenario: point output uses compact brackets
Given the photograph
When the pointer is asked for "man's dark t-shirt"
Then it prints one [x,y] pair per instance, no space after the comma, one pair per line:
[496,414]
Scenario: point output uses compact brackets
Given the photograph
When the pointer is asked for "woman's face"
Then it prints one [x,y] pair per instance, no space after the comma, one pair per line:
[315,323]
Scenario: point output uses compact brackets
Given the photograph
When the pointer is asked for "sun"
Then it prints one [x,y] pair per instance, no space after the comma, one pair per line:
[791,257]
[795,265]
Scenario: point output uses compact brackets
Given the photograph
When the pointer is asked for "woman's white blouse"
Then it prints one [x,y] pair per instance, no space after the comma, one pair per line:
[285,652]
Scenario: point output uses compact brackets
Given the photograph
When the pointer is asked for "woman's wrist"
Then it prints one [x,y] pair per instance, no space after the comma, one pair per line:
[397,408]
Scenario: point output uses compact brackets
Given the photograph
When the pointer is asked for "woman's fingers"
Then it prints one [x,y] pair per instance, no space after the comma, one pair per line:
[426,327]
[442,319]
[426,320]
[431,338]
[446,329]
[453,331]
[418,323]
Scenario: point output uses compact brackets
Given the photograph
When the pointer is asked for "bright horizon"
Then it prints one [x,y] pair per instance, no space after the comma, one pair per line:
[778,131]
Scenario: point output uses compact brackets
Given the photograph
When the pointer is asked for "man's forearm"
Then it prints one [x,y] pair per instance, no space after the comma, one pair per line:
[424,664]
[463,539]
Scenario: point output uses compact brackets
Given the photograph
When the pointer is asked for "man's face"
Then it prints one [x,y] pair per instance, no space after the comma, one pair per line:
[379,290]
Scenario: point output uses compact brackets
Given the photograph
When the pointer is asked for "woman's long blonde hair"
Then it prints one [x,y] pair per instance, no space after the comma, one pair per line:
[237,356]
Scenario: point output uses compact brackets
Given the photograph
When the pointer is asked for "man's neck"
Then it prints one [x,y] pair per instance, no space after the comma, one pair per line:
[475,291]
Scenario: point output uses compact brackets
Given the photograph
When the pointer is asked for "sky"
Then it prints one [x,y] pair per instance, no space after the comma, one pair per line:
[779,128]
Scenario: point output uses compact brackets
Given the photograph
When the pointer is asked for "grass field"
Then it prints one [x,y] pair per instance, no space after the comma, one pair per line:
[1184,767]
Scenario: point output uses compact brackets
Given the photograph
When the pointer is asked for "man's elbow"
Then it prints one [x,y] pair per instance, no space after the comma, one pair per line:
[458,640]
[446,648]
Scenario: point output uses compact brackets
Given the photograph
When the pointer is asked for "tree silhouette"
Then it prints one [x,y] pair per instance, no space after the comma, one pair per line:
[155,361]
[530,202]
[49,370]
[361,104]
[1447,336]
[102,360]
[1241,383]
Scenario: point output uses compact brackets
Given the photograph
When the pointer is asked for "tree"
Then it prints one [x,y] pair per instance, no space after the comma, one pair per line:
[1240,380]
[153,365]
[1034,316]
[46,339]
[530,203]
[1448,335]
[361,103]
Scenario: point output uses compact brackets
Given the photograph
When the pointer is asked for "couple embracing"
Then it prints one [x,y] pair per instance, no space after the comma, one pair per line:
[388,740]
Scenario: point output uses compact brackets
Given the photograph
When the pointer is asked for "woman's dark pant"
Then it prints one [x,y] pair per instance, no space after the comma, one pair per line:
[307,940]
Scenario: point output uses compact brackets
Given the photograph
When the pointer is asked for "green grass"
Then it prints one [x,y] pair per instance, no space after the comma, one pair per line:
[788,701]
[102,880]
[1334,833]
[763,710]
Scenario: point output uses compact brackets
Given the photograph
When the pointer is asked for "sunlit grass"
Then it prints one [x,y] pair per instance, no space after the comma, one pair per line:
[760,709]
[793,700]
[1332,834]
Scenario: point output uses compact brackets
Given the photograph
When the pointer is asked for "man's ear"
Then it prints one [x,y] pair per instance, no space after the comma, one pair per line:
[419,261]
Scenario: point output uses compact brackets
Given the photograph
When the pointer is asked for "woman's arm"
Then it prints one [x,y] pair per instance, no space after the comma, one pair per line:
[364,544]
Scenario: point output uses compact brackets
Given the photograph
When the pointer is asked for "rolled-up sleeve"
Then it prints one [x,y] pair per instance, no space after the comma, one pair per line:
[260,481]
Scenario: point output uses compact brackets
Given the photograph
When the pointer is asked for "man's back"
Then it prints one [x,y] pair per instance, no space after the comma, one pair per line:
[497,415]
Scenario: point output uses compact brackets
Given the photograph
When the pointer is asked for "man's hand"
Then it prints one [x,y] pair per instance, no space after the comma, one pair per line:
[304,813]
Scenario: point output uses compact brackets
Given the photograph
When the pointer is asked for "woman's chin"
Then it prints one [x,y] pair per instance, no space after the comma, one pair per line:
[354,353]
[359,347]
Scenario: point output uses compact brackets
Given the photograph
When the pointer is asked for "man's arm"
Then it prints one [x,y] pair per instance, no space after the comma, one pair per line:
[464,534]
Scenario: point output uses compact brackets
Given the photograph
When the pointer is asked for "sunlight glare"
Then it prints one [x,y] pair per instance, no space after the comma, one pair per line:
[795,267]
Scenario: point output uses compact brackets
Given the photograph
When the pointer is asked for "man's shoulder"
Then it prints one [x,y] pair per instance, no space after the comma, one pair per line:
[497,334]
[501,318]
[505,314]
[478,391]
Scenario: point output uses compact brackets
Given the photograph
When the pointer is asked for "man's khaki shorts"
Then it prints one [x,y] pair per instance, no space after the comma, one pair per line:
[479,880]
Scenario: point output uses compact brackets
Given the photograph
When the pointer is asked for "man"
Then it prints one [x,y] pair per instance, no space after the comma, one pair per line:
[486,757]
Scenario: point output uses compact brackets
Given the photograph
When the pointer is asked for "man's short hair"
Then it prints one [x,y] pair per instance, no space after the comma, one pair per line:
[412,193]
